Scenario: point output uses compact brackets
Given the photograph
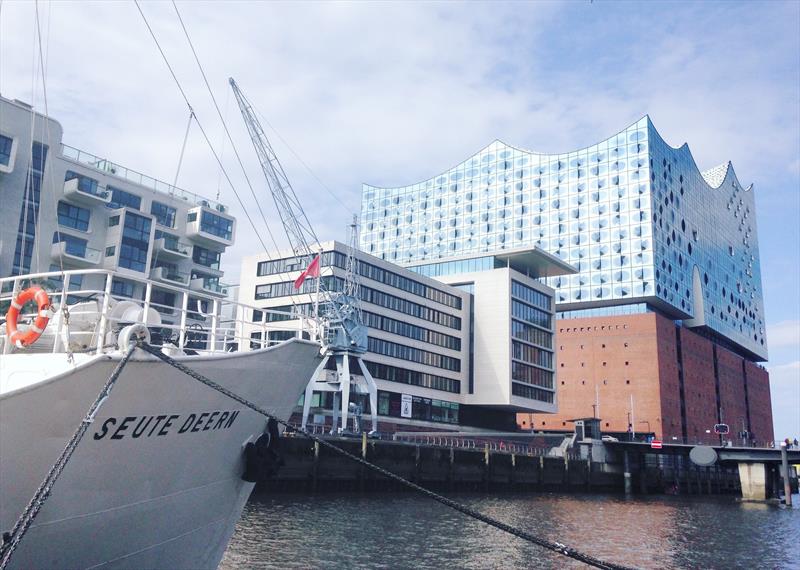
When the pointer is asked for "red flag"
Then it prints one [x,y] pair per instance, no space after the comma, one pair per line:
[311,271]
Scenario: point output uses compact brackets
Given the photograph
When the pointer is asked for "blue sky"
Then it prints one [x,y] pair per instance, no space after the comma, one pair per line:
[393,93]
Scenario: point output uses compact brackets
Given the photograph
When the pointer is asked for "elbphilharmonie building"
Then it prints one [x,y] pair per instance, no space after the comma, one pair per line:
[642,224]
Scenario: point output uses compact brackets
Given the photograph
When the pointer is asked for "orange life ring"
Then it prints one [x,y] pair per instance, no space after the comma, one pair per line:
[27,338]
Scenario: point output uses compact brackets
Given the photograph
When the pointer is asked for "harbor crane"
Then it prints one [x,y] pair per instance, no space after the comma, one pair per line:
[341,329]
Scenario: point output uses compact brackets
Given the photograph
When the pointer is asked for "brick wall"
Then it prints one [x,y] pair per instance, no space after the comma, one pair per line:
[699,387]
[760,402]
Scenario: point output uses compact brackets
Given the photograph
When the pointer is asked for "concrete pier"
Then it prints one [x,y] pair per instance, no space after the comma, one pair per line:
[753,478]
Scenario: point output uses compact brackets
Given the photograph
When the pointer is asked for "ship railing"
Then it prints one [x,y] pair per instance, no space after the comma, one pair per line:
[187,320]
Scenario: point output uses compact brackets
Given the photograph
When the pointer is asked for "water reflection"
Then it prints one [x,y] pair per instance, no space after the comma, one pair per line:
[409,531]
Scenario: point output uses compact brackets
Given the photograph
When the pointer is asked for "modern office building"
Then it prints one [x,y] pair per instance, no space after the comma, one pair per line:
[655,241]
[72,209]
[424,334]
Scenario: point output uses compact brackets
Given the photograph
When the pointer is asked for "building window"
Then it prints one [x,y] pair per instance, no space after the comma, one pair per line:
[206,257]
[135,244]
[113,221]
[110,251]
[73,216]
[165,215]
[403,352]
[5,149]
[121,288]
[29,213]
[75,281]
[123,199]
[216,225]
[74,245]
[413,378]
[85,184]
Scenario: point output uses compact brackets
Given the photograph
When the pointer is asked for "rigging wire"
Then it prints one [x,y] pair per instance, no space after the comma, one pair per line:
[200,126]
[27,197]
[222,151]
[224,125]
[47,131]
[183,149]
[303,162]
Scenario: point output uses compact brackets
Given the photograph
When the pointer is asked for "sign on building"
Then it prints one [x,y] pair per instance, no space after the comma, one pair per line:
[405,406]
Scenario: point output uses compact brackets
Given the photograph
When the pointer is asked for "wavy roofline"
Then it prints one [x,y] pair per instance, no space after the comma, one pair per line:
[537,153]
[730,174]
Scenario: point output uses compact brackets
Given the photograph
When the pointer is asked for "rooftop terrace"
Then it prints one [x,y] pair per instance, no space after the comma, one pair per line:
[108,167]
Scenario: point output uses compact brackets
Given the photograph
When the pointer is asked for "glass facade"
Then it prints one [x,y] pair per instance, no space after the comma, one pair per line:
[135,244]
[164,215]
[74,245]
[73,217]
[635,216]
[86,184]
[203,256]
[29,213]
[123,199]
[216,225]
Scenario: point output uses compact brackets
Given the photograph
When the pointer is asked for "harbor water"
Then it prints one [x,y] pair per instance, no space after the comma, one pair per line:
[410,531]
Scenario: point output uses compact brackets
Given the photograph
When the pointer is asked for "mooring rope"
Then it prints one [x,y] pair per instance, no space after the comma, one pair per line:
[12,540]
[544,543]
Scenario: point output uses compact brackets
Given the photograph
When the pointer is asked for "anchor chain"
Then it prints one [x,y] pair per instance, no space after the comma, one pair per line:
[544,543]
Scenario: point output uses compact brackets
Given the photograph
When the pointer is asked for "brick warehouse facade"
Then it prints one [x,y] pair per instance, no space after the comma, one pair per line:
[682,383]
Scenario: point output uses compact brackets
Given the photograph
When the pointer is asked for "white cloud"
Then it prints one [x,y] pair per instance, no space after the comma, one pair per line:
[784,382]
[784,334]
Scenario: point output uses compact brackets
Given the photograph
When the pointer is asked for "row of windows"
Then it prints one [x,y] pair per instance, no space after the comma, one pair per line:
[367,270]
[531,354]
[376,297]
[530,375]
[531,334]
[425,409]
[401,328]
[531,393]
[403,352]
[368,295]
[530,295]
[73,216]
[456,267]
[413,377]
[531,314]
[286,288]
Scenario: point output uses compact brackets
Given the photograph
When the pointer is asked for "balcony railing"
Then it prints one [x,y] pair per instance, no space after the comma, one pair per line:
[77,254]
[173,246]
[108,167]
[171,275]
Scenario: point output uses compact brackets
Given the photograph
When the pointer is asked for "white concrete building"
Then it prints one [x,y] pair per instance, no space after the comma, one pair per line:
[469,348]
[73,209]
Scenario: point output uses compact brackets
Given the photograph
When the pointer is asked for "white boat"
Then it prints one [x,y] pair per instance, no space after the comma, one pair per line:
[156,481]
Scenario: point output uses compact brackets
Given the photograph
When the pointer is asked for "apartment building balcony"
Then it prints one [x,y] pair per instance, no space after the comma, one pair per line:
[210,227]
[209,286]
[75,256]
[171,248]
[78,190]
[168,275]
